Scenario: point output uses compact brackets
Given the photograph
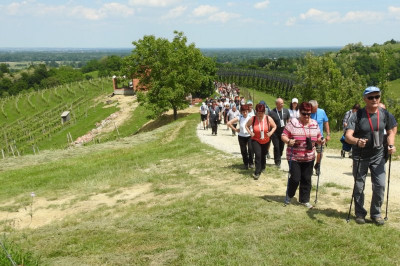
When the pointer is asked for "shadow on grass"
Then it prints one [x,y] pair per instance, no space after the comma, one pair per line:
[312,213]
[161,121]
[239,167]
[279,199]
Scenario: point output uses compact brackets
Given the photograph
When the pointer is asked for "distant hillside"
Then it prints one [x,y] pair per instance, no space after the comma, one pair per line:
[32,121]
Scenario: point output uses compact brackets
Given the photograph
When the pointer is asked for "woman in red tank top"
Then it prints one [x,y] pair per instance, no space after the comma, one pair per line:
[260,128]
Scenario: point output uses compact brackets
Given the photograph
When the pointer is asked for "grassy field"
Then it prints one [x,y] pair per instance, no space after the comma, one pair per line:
[163,197]
[33,120]
[394,89]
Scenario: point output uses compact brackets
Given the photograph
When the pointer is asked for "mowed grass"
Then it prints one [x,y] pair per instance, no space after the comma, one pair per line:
[196,208]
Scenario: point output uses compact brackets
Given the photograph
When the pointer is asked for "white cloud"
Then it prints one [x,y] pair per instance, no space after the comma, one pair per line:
[204,10]
[335,17]
[175,12]
[362,16]
[394,11]
[291,21]
[107,10]
[320,16]
[28,8]
[153,3]
[223,17]
[261,5]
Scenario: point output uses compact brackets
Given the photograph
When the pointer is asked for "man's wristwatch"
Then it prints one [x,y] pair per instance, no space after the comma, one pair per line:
[391,146]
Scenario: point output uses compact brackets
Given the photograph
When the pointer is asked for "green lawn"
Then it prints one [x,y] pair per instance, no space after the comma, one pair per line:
[163,197]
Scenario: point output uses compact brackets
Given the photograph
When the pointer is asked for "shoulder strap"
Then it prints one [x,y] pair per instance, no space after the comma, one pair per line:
[254,120]
[359,115]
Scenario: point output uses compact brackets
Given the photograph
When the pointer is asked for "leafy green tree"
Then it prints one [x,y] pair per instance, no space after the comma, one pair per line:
[170,70]
[4,68]
[336,89]
[5,85]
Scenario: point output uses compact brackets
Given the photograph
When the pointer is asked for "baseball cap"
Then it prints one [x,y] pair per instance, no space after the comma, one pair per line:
[371,90]
[249,102]
[295,100]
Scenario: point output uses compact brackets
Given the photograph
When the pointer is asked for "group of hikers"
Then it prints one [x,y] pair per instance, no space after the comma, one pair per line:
[369,132]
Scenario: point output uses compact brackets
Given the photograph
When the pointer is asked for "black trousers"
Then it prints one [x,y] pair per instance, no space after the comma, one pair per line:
[260,152]
[300,173]
[279,145]
[214,126]
[246,149]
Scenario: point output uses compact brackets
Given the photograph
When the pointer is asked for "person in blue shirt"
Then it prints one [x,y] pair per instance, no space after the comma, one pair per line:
[320,116]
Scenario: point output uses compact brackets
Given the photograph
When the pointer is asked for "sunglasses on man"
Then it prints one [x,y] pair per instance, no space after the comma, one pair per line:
[376,97]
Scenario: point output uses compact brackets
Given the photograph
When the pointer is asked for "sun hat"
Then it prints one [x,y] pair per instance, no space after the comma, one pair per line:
[295,100]
[371,90]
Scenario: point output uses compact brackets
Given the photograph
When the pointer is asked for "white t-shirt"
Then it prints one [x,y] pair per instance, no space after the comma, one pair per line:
[242,126]
[294,113]
[203,109]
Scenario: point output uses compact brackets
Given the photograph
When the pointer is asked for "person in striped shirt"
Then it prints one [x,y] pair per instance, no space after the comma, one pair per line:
[301,135]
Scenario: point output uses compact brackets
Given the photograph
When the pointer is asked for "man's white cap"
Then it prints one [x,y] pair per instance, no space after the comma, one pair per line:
[295,100]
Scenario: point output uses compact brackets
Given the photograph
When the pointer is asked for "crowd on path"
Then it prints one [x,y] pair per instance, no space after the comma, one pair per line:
[304,128]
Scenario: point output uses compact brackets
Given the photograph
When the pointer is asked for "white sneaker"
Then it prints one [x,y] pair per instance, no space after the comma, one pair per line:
[308,205]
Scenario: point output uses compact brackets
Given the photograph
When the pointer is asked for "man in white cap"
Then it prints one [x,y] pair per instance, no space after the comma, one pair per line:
[365,132]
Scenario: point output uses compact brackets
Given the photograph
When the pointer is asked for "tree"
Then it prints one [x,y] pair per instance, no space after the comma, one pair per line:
[335,89]
[170,71]
[4,68]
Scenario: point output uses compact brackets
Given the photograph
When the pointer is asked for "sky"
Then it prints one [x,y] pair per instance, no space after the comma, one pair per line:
[206,23]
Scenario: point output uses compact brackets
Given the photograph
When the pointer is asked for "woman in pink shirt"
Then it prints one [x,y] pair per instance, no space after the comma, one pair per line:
[262,127]
[301,135]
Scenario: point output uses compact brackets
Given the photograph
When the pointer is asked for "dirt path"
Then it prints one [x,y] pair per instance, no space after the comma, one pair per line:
[126,105]
[336,173]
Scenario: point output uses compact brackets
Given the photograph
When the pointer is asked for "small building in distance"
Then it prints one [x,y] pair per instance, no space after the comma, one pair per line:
[65,117]
[125,90]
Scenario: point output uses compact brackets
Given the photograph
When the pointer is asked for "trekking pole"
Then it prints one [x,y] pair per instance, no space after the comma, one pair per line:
[354,186]
[319,172]
[387,196]
[290,168]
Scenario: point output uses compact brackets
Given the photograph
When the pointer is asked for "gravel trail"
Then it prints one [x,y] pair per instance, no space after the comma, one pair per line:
[334,168]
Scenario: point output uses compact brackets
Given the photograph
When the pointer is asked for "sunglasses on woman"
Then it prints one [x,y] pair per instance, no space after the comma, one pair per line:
[306,114]
[376,97]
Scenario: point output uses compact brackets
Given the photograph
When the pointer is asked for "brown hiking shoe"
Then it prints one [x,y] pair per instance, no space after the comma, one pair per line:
[378,221]
[360,220]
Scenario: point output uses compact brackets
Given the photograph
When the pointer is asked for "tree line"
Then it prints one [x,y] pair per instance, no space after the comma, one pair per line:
[42,76]
[175,69]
